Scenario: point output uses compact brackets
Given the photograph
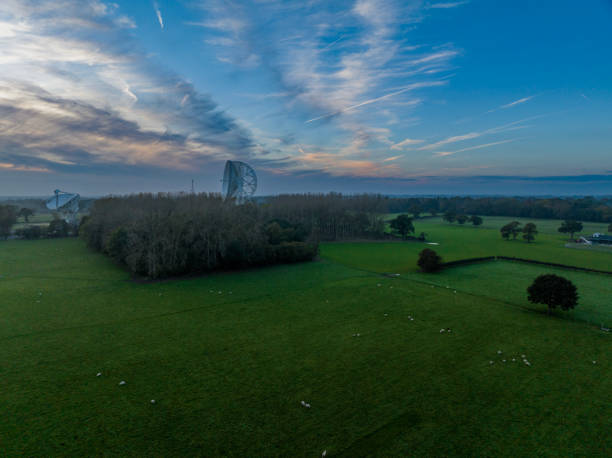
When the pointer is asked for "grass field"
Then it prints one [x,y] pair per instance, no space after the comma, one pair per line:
[508,282]
[460,242]
[37,219]
[229,357]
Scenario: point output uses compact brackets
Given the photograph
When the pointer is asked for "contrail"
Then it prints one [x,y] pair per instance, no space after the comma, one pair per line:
[377,99]
[469,148]
[159,16]
[517,102]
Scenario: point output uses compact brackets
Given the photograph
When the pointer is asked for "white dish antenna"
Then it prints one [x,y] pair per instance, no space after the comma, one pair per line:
[239,181]
[65,203]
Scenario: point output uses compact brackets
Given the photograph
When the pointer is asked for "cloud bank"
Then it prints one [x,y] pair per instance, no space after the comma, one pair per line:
[76,91]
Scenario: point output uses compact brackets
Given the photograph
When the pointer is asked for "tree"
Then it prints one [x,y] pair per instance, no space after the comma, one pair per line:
[450,216]
[511,229]
[403,225]
[570,227]
[8,217]
[476,220]
[554,291]
[429,261]
[58,228]
[29,232]
[529,232]
[462,219]
[416,210]
[26,213]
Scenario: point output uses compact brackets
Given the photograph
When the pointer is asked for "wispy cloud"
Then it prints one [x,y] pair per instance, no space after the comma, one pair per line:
[511,126]
[160,19]
[512,104]
[409,142]
[58,83]
[517,102]
[470,148]
[453,139]
[22,168]
[378,99]
[446,5]
[348,63]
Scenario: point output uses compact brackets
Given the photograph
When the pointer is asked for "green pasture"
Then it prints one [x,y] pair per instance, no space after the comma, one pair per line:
[37,219]
[465,241]
[508,282]
[229,357]
[546,226]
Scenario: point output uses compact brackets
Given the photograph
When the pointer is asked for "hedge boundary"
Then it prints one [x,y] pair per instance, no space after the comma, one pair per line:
[468,261]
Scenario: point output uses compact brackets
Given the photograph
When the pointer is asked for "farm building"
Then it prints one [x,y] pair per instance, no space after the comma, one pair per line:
[601,238]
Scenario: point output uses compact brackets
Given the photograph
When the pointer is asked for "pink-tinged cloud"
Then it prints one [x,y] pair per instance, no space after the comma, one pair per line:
[21,168]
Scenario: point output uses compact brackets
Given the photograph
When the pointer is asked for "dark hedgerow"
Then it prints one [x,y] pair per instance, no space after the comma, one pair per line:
[429,261]
[30,232]
[164,235]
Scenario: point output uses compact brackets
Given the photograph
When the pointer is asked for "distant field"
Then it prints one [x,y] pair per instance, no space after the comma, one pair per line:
[547,226]
[460,242]
[229,357]
[38,219]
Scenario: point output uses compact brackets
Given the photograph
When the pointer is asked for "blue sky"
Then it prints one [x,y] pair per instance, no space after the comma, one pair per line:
[415,97]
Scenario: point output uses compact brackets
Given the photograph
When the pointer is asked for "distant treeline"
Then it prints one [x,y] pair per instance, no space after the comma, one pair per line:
[164,235]
[580,209]
[336,216]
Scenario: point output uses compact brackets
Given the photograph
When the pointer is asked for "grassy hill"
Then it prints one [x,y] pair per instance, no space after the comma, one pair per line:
[229,357]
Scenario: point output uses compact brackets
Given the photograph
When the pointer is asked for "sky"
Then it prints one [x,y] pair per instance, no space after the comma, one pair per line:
[398,97]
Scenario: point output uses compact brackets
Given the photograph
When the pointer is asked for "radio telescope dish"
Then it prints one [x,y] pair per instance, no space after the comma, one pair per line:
[65,203]
[239,181]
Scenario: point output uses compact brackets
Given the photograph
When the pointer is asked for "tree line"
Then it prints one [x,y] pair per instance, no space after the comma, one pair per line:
[579,209]
[161,235]
[583,208]
[333,216]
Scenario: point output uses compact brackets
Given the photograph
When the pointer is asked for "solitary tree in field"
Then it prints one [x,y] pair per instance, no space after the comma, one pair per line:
[461,219]
[25,213]
[429,261]
[450,216]
[511,230]
[402,225]
[529,232]
[476,220]
[554,291]
[570,227]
